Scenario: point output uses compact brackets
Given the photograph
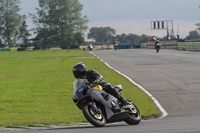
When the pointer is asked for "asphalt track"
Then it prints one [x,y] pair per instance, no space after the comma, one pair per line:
[171,76]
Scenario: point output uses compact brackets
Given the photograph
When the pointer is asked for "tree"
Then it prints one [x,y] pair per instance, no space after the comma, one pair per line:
[193,35]
[1,45]
[10,20]
[121,38]
[101,34]
[24,34]
[132,38]
[58,22]
[144,38]
[79,38]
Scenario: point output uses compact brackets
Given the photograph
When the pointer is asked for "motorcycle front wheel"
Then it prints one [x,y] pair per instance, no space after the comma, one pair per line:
[134,117]
[96,119]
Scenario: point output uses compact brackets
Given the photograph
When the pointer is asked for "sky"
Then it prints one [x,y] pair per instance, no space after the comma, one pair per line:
[134,16]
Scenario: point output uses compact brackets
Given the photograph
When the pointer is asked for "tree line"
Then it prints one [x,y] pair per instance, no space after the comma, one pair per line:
[58,23]
[107,35]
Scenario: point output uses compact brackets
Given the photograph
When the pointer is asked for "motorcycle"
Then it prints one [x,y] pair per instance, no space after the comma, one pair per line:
[100,108]
[157,46]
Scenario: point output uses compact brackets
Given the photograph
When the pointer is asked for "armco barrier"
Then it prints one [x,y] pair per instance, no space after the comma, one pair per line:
[192,46]
[4,49]
[126,46]
[143,45]
[171,44]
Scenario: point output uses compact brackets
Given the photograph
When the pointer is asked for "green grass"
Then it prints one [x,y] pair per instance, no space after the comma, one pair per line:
[45,53]
[38,91]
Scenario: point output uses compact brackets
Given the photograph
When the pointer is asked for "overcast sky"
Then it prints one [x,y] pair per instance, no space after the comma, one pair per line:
[134,16]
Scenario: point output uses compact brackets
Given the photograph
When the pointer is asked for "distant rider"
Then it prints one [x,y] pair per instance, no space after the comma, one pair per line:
[93,77]
[115,45]
[156,43]
[90,47]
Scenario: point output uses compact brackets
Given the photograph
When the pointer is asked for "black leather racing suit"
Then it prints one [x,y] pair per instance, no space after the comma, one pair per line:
[94,77]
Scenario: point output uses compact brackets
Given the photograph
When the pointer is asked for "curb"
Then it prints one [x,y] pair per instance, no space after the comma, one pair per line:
[44,127]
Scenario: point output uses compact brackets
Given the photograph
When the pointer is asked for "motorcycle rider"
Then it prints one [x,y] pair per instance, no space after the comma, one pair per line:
[157,45]
[93,77]
[115,45]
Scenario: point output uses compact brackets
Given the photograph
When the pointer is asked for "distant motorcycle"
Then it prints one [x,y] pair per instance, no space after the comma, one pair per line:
[157,46]
[90,47]
[100,108]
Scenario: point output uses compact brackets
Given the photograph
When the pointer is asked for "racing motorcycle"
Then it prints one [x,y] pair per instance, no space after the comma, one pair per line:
[157,46]
[100,108]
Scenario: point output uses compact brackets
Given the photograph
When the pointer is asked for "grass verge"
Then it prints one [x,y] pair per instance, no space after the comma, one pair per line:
[38,91]
[45,53]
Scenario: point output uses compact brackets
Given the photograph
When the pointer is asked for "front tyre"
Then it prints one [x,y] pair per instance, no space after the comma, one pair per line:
[96,119]
[134,117]
[157,50]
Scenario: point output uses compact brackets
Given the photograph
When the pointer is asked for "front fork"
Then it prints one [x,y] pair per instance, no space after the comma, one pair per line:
[94,107]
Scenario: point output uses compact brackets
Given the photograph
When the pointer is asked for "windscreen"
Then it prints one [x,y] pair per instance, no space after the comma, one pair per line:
[78,83]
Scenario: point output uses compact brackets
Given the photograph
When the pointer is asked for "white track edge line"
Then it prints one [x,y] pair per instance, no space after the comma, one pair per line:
[162,110]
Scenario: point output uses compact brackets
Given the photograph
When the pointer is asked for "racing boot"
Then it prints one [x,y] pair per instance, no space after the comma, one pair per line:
[123,101]
[116,94]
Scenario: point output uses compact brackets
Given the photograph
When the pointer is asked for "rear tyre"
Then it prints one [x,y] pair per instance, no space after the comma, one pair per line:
[134,117]
[96,119]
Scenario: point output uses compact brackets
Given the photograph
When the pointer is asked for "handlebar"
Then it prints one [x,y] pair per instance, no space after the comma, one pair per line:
[93,85]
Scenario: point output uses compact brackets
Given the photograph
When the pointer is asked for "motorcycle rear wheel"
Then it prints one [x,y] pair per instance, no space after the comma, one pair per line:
[133,118]
[96,119]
